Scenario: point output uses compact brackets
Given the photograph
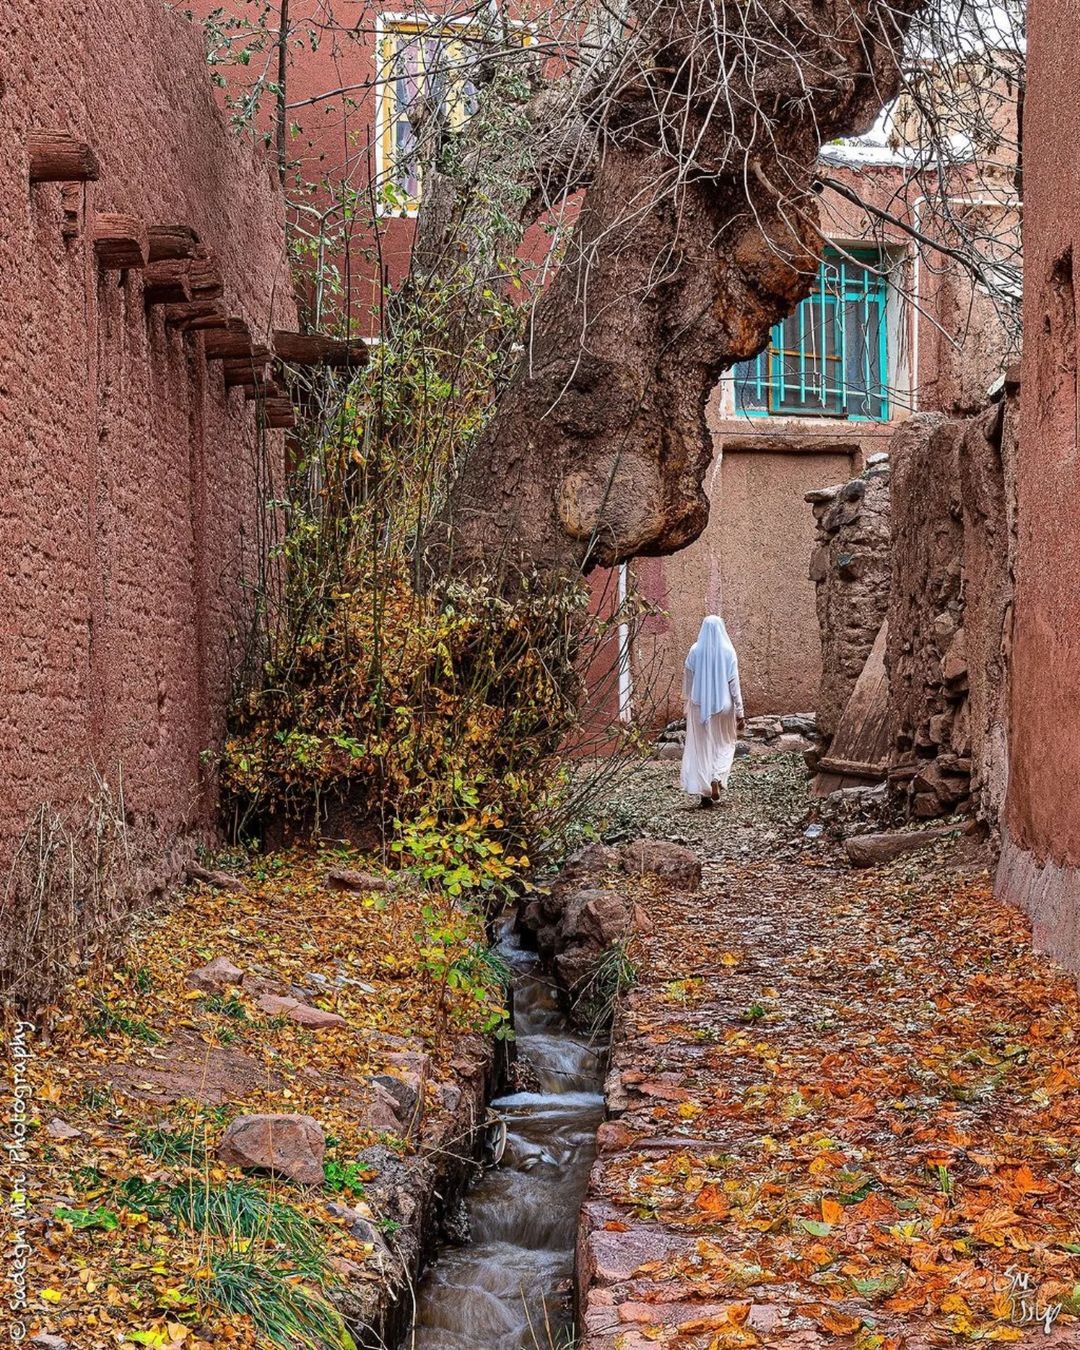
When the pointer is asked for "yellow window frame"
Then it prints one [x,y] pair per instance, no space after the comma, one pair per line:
[391,28]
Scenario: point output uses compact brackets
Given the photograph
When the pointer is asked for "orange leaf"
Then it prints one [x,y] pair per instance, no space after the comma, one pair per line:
[875,1206]
[839,1323]
[712,1200]
[832,1211]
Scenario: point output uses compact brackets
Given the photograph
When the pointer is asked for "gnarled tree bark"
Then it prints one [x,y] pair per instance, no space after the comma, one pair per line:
[697,233]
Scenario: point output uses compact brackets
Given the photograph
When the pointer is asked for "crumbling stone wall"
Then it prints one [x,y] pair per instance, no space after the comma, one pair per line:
[928,544]
[988,454]
[133,476]
[926,658]
[850,570]
[949,613]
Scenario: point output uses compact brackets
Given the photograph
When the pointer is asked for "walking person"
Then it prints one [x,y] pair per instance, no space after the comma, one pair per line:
[714,709]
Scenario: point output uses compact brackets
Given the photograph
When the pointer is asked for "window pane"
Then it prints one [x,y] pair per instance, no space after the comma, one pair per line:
[407,88]
[807,361]
[751,386]
[828,358]
[432,90]
[865,376]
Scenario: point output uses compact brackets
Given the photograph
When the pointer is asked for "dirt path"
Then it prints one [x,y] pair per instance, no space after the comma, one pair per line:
[846,1107]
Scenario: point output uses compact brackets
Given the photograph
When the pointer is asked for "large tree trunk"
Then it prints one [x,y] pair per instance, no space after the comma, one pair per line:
[698,232]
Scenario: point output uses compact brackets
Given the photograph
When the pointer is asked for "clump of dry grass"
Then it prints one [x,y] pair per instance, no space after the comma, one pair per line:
[69,892]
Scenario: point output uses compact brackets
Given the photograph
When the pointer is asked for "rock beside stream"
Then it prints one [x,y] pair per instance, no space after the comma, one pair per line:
[284,1145]
[588,911]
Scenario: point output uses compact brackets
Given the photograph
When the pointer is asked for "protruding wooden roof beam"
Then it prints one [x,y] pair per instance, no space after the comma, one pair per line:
[205,278]
[172,242]
[120,241]
[316,349]
[245,372]
[59,157]
[166,283]
[279,413]
[197,314]
[224,344]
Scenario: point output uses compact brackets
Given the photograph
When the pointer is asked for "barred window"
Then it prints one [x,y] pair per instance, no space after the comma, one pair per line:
[829,358]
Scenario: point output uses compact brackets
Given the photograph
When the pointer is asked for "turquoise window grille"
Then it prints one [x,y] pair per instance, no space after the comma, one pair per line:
[829,358]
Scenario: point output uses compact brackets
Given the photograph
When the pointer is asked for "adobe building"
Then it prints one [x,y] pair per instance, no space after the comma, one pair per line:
[141,251]
[1040,860]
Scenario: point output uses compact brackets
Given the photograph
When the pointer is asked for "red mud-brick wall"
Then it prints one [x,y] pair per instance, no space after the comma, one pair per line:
[130,509]
[1040,865]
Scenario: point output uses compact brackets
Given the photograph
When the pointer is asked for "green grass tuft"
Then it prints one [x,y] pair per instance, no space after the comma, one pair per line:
[241,1211]
[615,974]
[286,1313]
[172,1146]
[108,1021]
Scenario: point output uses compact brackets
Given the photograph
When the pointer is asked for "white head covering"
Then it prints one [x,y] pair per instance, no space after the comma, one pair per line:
[712,664]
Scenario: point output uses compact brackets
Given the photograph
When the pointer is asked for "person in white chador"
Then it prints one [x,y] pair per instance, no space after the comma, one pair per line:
[714,709]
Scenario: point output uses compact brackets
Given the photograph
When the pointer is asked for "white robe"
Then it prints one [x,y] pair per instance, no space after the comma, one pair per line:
[710,746]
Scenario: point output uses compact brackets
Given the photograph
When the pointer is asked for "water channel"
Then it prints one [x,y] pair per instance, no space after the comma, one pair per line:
[508,1289]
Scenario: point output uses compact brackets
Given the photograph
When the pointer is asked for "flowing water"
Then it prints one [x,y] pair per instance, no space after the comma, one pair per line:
[508,1289]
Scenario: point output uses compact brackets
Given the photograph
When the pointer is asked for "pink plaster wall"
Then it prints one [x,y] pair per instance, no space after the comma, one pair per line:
[1040,865]
[129,512]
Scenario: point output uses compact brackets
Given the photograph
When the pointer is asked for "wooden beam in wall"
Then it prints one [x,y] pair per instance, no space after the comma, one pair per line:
[59,157]
[196,314]
[205,276]
[226,343]
[172,242]
[315,349]
[234,342]
[166,283]
[120,241]
[279,413]
[247,372]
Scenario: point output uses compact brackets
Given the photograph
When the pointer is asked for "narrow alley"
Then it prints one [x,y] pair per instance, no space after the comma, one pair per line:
[844,1106]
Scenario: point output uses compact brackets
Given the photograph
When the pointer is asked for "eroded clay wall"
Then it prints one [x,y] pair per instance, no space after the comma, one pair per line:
[988,459]
[1040,864]
[927,654]
[132,478]
[929,545]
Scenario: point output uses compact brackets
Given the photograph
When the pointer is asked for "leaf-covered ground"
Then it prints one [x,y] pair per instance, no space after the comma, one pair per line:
[850,1103]
[140,1235]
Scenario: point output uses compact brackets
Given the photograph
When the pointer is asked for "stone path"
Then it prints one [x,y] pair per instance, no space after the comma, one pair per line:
[845,1108]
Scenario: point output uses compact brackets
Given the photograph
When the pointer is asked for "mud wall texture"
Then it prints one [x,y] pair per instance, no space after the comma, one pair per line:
[950,611]
[1040,865]
[926,657]
[850,569]
[928,545]
[133,477]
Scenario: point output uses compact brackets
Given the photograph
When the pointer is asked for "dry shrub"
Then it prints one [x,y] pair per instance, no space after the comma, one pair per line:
[69,892]
[404,705]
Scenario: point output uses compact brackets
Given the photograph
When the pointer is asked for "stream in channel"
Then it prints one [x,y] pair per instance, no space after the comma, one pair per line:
[508,1288]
